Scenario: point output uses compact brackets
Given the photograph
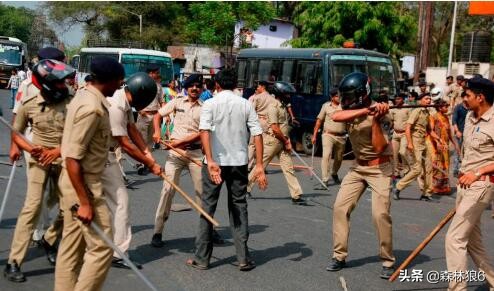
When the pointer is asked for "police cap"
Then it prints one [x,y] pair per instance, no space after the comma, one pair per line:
[193,79]
[423,95]
[51,53]
[106,69]
[481,84]
[333,92]
[152,68]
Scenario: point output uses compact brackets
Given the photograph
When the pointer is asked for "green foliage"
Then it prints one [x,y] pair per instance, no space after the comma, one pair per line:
[16,22]
[388,27]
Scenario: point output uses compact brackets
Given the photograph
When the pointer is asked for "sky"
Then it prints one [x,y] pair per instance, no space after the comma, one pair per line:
[70,38]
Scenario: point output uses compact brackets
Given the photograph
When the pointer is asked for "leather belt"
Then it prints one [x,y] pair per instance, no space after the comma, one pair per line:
[374,162]
[152,112]
[489,178]
[399,131]
[192,147]
[335,133]
[113,149]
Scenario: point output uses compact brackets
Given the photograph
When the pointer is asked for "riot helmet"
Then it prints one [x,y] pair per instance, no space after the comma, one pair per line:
[49,77]
[355,91]
[142,88]
[282,90]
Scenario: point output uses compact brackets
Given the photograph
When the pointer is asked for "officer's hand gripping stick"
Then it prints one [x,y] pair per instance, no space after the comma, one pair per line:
[110,243]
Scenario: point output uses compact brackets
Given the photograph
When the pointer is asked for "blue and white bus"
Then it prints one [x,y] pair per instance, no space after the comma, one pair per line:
[12,56]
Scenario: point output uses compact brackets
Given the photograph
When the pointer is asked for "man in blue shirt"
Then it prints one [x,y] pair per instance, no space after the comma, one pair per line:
[458,121]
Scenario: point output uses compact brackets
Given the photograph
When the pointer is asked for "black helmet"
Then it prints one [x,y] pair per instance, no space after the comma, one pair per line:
[355,91]
[49,77]
[281,89]
[143,90]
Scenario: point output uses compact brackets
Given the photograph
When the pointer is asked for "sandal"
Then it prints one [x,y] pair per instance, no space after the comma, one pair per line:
[247,266]
[192,263]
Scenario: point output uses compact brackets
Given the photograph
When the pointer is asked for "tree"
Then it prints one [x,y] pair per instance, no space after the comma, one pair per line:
[16,22]
[388,27]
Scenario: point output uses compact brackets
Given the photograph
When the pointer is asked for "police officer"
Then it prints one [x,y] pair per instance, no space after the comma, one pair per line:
[185,137]
[83,257]
[418,125]
[333,137]
[139,91]
[455,91]
[373,169]
[476,185]
[399,117]
[276,142]
[261,101]
[46,112]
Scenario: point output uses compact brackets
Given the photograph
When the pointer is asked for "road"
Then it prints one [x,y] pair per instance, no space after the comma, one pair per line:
[291,245]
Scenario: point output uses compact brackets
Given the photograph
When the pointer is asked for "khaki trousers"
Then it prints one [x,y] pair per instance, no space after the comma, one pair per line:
[399,143]
[144,124]
[421,167]
[330,144]
[464,235]
[83,258]
[117,200]
[173,168]
[274,148]
[378,178]
[38,177]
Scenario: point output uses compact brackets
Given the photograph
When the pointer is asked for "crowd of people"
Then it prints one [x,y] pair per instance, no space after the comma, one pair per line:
[74,139]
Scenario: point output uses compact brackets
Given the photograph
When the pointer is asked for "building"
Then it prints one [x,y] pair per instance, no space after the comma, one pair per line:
[275,34]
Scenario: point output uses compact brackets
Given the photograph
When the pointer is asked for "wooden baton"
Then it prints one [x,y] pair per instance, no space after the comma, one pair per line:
[423,244]
[181,153]
[191,201]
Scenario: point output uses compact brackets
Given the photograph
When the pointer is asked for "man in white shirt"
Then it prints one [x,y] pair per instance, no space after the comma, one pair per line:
[225,123]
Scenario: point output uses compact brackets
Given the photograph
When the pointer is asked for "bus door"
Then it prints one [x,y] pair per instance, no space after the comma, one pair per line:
[308,81]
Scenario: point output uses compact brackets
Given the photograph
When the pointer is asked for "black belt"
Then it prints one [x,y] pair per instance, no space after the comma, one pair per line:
[113,149]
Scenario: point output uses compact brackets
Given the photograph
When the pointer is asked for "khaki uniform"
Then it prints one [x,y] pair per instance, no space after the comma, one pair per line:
[333,139]
[187,117]
[464,234]
[273,147]
[419,120]
[145,117]
[455,95]
[261,103]
[114,189]
[83,257]
[399,118]
[378,178]
[47,127]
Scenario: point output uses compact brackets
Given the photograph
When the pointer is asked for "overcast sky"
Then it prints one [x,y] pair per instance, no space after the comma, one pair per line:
[70,38]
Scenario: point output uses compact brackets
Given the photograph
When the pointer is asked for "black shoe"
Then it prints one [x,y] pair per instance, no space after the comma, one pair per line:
[120,263]
[13,273]
[387,272]
[157,241]
[396,194]
[248,195]
[335,265]
[156,146]
[336,179]
[51,251]
[299,201]
[426,198]
[217,239]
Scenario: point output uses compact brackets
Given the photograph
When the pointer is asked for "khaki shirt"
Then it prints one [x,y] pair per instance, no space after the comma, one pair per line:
[261,103]
[399,117]
[278,114]
[326,115]
[478,141]
[419,120]
[156,103]
[455,94]
[47,120]
[26,91]
[87,131]
[120,114]
[187,116]
[360,134]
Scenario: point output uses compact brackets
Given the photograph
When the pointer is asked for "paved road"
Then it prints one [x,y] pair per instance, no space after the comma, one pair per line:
[290,244]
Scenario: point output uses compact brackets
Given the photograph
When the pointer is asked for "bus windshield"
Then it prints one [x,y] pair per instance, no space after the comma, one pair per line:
[10,54]
[138,63]
[379,69]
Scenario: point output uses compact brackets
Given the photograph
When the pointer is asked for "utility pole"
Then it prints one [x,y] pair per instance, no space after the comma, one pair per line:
[426,13]
[452,39]
[418,52]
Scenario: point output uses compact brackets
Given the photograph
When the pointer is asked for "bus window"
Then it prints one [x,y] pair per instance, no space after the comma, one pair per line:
[264,73]
[382,77]
[86,58]
[306,79]
[242,73]
[275,74]
[287,72]
[341,69]
[139,63]
[11,54]
[253,73]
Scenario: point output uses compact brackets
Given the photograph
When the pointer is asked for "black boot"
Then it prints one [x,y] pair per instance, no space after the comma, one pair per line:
[335,265]
[120,263]
[386,272]
[157,241]
[13,273]
[336,179]
[51,251]
[426,198]
[396,194]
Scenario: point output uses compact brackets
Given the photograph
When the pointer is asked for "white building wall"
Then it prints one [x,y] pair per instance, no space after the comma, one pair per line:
[265,38]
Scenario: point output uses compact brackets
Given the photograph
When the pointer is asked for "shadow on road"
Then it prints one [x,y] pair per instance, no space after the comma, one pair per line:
[400,255]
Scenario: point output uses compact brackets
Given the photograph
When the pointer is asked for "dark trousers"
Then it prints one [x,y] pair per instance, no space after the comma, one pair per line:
[236,180]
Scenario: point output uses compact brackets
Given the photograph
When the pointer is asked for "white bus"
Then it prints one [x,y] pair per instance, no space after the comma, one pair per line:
[133,60]
[12,56]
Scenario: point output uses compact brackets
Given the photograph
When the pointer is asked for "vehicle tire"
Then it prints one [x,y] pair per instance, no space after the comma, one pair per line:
[307,143]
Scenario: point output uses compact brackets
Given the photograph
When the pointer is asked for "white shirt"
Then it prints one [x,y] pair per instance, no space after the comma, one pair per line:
[229,118]
[22,75]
